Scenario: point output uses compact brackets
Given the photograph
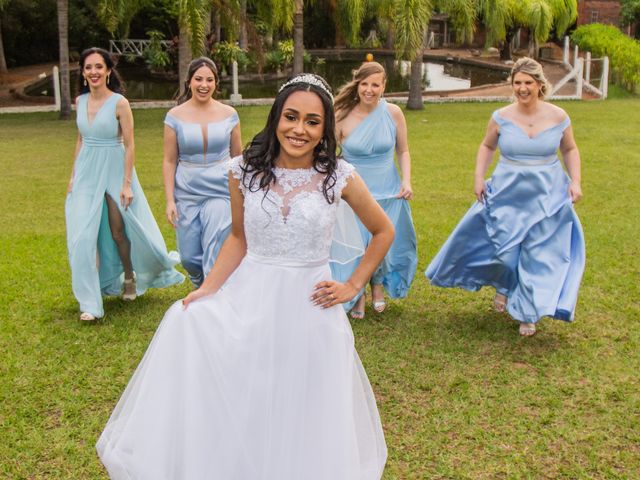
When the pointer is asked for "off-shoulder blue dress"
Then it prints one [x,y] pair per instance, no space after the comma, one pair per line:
[370,148]
[526,239]
[201,192]
[98,171]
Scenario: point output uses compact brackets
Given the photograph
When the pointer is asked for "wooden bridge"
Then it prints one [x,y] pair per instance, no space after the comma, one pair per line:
[135,47]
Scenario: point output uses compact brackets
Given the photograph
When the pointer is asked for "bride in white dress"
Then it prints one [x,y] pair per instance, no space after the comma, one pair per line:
[254,376]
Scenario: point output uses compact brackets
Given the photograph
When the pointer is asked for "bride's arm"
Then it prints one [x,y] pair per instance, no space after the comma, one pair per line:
[356,194]
[233,249]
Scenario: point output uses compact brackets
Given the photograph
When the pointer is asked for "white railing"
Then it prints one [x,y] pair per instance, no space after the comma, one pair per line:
[134,47]
[585,77]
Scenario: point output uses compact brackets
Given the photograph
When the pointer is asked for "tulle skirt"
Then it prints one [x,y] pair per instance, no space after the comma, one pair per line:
[252,383]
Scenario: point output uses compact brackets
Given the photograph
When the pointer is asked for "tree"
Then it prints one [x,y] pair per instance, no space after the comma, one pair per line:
[630,14]
[63,39]
[503,18]
[411,28]
[3,60]
[191,15]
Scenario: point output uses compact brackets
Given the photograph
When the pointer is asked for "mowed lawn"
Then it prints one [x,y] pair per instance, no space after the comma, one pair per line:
[460,394]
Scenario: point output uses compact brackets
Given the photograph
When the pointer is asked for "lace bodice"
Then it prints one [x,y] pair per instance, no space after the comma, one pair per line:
[293,221]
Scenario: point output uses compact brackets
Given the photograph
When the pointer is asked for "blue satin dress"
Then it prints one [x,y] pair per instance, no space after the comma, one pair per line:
[370,148]
[202,192]
[98,171]
[526,240]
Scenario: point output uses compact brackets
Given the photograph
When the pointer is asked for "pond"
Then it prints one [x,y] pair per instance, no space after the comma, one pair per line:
[437,76]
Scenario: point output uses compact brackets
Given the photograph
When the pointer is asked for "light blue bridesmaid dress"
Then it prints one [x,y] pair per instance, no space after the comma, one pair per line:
[98,171]
[370,148]
[525,240]
[202,192]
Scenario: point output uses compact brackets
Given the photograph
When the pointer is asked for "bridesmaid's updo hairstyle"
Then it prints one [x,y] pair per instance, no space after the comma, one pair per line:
[347,96]
[261,153]
[193,67]
[534,70]
[114,83]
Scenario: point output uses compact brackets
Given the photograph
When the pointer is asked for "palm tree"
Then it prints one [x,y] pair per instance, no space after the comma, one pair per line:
[411,26]
[298,37]
[412,20]
[3,61]
[503,18]
[63,38]
[116,15]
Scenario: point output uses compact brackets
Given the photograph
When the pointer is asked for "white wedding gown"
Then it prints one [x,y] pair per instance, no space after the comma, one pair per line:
[255,382]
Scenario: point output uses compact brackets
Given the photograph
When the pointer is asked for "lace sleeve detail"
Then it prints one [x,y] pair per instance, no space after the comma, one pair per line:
[235,168]
[344,172]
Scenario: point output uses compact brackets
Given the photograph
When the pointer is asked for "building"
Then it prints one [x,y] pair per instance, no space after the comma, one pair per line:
[599,11]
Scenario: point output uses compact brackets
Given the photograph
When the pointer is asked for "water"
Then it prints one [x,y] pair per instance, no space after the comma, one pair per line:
[436,77]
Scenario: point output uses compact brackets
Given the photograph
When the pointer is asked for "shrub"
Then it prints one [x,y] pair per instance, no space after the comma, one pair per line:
[156,56]
[226,52]
[623,52]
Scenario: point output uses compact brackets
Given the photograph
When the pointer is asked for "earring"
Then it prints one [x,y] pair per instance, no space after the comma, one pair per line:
[107,79]
[85,81]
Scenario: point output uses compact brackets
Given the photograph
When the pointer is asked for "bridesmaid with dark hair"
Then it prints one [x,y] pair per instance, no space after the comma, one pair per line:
[111,232]
[199,135]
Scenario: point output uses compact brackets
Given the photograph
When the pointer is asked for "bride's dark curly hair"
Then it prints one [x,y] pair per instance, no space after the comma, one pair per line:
[261,154]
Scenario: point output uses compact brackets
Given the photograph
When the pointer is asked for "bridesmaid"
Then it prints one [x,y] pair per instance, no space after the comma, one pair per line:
[199,134]
[522,236]
[370,130]
[110,228]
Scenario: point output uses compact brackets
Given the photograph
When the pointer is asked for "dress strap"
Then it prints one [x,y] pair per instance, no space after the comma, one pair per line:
[171,121]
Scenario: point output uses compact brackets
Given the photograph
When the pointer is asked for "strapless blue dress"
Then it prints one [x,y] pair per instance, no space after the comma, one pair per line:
[526,240]
[98,171]
[201,192]
[370,148]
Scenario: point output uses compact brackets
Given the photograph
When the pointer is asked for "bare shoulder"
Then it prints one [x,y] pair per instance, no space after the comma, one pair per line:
[395,111]
[555,112]
[507,112]
[123,102]
[175,111]
[228,110]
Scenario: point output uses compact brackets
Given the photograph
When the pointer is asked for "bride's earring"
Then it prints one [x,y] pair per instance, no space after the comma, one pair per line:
[85,81]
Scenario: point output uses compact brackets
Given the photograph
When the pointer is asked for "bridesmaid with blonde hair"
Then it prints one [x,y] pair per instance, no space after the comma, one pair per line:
[522,237]
[370,131]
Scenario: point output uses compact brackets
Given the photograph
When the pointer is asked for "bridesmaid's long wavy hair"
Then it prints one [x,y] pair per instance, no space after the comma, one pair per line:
[347,96]
[261,153]
[193,66]
[115,83]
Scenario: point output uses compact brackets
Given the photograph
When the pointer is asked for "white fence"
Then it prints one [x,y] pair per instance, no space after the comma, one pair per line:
[581,70]
[129,46]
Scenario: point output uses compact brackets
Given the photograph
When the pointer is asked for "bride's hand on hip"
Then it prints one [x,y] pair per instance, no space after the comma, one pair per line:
[193,296]
[329,293]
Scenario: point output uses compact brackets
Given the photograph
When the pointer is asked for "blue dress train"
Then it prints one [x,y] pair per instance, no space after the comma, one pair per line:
[201,192]
[525,240]
[370,148]
[98,171]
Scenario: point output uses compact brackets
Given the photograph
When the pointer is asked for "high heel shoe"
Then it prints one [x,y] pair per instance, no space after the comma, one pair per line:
[87,317]
[129,292]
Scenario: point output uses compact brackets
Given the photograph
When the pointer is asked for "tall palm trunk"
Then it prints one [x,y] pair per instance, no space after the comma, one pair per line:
[298,37]
[3,61]
[414,102]
[63,38]
[184,54]
[243,41]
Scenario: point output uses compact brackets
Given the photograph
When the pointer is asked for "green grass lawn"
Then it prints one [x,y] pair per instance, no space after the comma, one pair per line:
[460,394]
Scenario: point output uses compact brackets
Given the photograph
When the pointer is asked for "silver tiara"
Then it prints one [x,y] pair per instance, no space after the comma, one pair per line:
[307,78]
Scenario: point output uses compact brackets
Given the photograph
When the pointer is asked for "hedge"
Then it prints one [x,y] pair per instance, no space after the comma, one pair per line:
[623,51]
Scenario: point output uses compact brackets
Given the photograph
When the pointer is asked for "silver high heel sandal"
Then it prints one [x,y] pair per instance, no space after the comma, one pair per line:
[129,292]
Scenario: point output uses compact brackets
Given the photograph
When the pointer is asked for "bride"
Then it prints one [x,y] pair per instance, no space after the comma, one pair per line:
[254,375]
